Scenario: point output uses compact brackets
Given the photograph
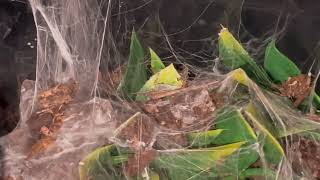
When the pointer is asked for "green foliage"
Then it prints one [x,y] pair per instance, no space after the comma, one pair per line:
[195,163]
[227,151]
[273,150]
[103,163]
[316,100]
[258,172]
[231,52]
[156,63]
[235,127]
[206,138]
[166,79]
[234,56]
[136,72]
[280,68]
[278,65]
[239,161]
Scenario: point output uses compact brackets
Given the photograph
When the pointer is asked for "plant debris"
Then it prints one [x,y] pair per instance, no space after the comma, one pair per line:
[139,161]
[171,141]
[297,88]
[52,104]
[182,109]
[137,131]
[110,81]
[154,95]
[314,117]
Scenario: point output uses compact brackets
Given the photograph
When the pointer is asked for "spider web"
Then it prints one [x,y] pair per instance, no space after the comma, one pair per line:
[78,40]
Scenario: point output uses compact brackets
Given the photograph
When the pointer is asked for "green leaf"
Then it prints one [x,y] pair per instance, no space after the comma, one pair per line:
[103,163]
[258,172]
[240,161]
[278,65]
[234,56]
[136,72]
[195,163]
[156,63]
[236,128]
[281,68]
[273,150]
[200,139]
[316,100]
[166,79]
[231,52]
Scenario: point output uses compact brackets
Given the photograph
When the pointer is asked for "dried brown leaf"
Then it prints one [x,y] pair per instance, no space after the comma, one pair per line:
[49,118]
[297,88]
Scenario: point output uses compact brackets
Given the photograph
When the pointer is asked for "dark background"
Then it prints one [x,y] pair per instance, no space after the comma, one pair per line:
[191,26]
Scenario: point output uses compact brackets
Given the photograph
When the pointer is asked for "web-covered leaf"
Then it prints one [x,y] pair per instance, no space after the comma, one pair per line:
[205,138]
[195,163]
[103,163]
[235,127]
[234,56]
[166,79]
[273,150]
[136,72]
[156,63]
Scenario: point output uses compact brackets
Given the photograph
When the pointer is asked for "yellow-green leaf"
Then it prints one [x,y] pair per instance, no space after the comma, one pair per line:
[156,63]
[273,150]
[234,56]
[240,76]
[195,163]
[103,163]
[205,138]
[166,79]
[154,176]
[230,50]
